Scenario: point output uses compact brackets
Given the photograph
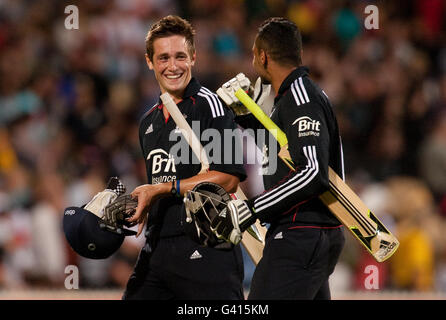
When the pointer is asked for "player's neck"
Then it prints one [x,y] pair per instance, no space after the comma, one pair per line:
[176,97]
[279,74]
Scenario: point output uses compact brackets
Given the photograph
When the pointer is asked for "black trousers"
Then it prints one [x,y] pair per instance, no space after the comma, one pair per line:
[297,262]
[179,268]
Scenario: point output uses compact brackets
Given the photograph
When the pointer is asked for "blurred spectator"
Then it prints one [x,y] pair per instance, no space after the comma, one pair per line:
[8,158]
[433,158]
[412,266]
[347,25]
[47,236]
[377,197]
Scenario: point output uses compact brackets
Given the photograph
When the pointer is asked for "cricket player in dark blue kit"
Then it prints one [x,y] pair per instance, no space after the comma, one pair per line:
[304,239]
[171,265]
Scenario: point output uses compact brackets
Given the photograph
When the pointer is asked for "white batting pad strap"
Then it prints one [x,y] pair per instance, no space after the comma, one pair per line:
[100,201]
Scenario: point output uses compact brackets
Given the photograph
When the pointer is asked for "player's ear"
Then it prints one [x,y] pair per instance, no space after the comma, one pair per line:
[192,58]
[263,58]
[149,63]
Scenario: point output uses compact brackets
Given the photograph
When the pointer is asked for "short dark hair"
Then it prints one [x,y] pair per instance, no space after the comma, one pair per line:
[169,26]
[281,39]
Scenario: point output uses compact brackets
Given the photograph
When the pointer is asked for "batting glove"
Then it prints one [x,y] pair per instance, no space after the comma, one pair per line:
[263,95]
[232,221]
[114,188]
[227,93]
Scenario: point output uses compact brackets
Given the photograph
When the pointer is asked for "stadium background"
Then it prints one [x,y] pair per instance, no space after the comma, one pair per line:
[70,102]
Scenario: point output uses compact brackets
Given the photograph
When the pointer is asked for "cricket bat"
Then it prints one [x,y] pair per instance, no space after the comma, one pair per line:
[253,238]
[342,201]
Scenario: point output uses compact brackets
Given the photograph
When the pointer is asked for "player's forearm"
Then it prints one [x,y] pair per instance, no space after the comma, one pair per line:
[294,190]
[228,181]
[274,207]
[152,192]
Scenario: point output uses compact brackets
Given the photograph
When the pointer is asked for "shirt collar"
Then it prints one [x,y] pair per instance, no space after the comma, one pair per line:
[296,73]
[192,88]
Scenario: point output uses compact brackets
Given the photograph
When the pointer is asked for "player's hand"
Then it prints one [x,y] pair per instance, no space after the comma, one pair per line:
[232,221]
[146,195]
[227,93]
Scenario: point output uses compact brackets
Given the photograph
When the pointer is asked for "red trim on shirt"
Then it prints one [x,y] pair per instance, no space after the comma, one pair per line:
[296,206]
[168,114]
[278,183]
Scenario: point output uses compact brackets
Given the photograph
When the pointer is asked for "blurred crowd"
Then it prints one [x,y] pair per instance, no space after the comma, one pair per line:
[71,100]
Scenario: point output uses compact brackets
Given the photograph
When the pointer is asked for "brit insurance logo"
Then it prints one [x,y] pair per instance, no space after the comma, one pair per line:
[307,126]
[163,165]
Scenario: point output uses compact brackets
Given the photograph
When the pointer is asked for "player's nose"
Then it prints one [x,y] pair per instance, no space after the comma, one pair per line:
[172,66]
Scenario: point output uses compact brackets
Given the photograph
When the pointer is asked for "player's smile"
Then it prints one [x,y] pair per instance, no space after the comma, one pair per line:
[174,78]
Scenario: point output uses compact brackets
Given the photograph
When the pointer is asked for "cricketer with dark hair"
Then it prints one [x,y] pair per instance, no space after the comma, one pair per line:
[304,239]
[171,265]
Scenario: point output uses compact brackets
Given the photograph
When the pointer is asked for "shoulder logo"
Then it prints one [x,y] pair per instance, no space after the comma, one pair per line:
[149,129]
[307,126]
[70,212]
[279,235]
[196,255]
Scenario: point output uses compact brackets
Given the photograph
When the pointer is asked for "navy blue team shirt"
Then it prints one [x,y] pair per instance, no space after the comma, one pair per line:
[202,109]
[303,111]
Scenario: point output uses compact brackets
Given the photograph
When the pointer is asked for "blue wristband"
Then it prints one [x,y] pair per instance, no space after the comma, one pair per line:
[178,187]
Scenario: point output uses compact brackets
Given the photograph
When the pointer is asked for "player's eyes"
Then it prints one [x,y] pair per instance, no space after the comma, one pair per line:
[165,59]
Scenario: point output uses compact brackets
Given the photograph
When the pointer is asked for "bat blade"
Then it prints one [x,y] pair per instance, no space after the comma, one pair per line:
[348,207]
[255,243]
[186,130]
